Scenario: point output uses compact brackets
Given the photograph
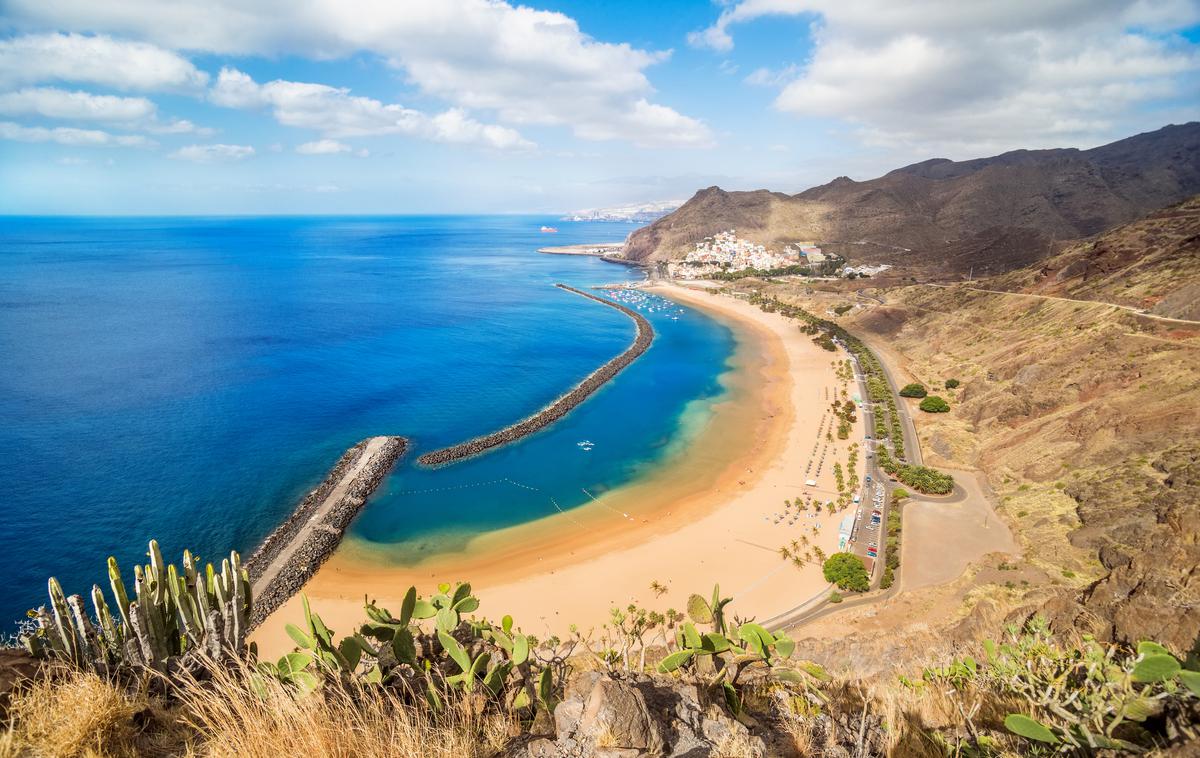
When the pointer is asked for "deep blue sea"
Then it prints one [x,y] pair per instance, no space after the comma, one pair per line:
[191,379]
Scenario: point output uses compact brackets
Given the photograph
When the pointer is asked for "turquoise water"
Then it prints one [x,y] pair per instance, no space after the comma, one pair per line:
[191,379]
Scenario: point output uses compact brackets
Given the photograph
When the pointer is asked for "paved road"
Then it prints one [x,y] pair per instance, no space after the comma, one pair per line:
[1129,308]
[864,296]
[819,606]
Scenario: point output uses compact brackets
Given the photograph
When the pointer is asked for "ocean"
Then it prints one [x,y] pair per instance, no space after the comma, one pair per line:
[190,379]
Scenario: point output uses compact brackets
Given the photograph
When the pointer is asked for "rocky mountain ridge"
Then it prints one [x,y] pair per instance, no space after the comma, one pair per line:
[942,217]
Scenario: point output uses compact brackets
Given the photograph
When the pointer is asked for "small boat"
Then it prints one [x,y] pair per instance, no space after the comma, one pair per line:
[549,230]
[585,445]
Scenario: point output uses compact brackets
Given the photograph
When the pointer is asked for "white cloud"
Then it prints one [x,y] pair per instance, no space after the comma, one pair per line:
[960,78]
[96,59]
[131,113]
[334,112]
[528,66]
[71,136]
[178,126]
[766,77]
[50,102]
[323,147]
[213,153]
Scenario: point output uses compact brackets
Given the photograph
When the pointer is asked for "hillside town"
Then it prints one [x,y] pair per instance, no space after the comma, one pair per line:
[725,253]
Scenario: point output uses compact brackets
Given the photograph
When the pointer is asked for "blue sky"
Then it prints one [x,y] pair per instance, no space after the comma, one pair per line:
[327,106]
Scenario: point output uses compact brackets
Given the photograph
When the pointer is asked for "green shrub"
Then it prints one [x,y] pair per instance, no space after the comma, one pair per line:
[925,479]
[899,494]
[847,572]
[834,597]
[889,578]
[952,383]
[934,404]
[913,390]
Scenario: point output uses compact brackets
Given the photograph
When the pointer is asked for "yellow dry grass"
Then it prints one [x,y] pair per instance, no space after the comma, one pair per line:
[354,720]
[70,714]
[80,715]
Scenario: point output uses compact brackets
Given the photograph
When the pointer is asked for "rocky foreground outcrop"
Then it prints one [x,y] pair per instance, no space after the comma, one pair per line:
[603,717]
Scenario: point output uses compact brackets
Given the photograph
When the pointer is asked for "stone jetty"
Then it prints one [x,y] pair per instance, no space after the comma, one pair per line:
[291,554]
[561,406]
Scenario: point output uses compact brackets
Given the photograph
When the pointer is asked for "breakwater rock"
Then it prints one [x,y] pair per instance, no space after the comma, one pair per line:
[561,406]
[293,552]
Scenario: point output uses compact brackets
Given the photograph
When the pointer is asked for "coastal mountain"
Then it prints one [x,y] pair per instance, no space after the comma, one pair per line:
[942,217]
[638,213]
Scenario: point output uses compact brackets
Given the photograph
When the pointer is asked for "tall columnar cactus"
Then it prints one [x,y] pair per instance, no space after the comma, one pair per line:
[171,614]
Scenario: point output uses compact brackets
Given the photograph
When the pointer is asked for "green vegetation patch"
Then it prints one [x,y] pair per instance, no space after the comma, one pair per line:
[847,572]
[934,404]
[913,390]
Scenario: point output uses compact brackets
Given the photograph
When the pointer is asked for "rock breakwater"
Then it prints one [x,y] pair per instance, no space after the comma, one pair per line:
[293,552]
[561,406]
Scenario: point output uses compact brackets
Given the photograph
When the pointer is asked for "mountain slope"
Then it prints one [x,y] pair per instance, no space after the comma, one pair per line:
[1083,418]
[939,216]
[1151,263]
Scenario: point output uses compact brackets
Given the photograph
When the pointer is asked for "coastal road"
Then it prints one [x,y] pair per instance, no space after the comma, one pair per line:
[819,606]
[1128,308]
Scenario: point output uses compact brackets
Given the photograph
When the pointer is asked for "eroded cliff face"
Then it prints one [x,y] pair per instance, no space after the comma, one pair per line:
[1143,521]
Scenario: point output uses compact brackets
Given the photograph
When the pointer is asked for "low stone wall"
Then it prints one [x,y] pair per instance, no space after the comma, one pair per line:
[561,406]
[321,540]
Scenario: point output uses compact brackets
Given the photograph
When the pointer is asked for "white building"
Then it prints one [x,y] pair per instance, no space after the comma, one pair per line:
[725,251]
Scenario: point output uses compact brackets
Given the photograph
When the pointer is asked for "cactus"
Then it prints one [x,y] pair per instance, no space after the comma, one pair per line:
[172,614]
[1084,699]
[472,656]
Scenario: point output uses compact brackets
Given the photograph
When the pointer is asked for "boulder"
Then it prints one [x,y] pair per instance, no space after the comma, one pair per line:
[616,715]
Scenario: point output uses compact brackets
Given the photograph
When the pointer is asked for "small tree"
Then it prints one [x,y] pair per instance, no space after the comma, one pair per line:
[952,383]
[847,572]
[913,390]
[899,493]
[934,404]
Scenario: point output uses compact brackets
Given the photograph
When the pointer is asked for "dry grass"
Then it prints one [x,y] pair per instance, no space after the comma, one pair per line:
[76,714]
[350,721]
[72,713]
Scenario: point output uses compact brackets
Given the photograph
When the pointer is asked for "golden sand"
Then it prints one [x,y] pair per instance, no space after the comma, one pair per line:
[706,516]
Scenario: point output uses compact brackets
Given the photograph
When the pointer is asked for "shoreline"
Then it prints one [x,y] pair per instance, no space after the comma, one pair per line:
[605,251]
[564,404]
[594,249]
[702,517]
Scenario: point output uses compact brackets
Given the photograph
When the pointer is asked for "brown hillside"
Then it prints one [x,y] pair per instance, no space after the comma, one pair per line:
[945,217]
[1085,420]
[1151,264]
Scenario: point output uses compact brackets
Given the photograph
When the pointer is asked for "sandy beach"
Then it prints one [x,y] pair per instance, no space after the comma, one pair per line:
[706,516]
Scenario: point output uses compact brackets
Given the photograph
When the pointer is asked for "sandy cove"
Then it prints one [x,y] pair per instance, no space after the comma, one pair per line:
[705,516]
